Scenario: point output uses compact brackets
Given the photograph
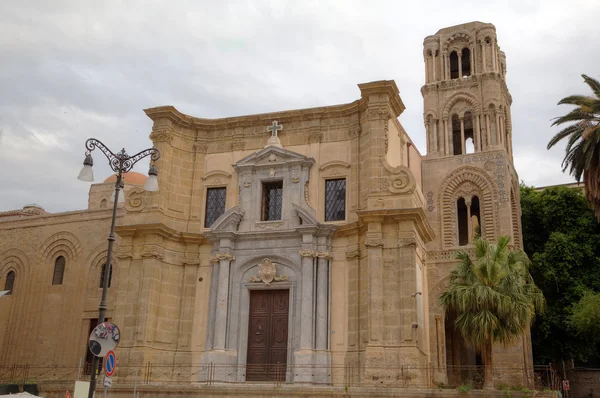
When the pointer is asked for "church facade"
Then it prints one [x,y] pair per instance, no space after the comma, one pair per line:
[286,245]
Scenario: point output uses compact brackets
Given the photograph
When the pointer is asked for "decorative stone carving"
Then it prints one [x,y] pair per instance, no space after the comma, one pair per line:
[267,273]
[352,254]
[374,242]
[136,199]
[272,158]
[272,173]
[295,176]
[307,253]
[221,256]
[379,113]
[495,158]
[268,224]
[354,130]
[152,251]
[315,137]
[325,255]
[306,192]
[399,183]
[379,203]
[161,136]
[246,180]
[200,147]
[430,202]
[238,145]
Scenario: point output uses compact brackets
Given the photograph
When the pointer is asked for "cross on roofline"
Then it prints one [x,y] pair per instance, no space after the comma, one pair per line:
[274,128]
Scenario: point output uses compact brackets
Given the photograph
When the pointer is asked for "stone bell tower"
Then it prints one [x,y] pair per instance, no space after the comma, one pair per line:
[469,181]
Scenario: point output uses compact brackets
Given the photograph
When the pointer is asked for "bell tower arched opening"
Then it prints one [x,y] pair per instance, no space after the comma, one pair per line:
[466,62]
[453,65]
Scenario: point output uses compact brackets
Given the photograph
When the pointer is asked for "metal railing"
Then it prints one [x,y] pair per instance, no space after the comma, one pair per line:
[352,375]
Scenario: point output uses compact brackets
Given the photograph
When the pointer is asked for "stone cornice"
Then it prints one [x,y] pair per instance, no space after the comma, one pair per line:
[416,214]
[60,218]
[159,229]
[325,112]
[387,87]
[384,87]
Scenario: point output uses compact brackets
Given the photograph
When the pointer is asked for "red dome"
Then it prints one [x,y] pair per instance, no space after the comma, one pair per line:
[132,177]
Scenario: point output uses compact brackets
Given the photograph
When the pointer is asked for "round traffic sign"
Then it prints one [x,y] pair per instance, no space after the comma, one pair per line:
[104,338]
[110,363]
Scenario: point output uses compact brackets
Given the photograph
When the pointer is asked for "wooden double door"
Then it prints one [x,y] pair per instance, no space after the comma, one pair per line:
[267,335]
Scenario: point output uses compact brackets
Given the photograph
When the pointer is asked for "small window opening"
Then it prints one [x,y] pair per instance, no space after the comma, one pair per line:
[466,62]
[103,203]
[59,271]
[463,222]
[102,275]
[9,283]
[272,200]
[475,218]
[453,65]
[456,138]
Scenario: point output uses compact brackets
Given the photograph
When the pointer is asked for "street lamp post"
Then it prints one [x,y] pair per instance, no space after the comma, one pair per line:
[119,163]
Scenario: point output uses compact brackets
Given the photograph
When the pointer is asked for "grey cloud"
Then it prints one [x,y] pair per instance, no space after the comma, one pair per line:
[72,70]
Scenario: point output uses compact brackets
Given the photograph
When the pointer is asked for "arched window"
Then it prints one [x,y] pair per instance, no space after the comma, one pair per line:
[103,203]
[59,271]
[10,282]
[453,65]
[469,220]
[469,137]
[102,275]
[456,136]
[463,222]
[466,62]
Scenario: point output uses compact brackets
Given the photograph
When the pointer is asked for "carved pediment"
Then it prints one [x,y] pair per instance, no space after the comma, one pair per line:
[228,221]
[273,156]
[306,214]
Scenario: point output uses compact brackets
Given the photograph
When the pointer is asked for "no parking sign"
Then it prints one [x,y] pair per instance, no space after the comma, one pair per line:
[110,363]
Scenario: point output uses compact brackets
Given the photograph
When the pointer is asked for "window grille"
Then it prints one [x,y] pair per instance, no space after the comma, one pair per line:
[272,200]
[335,200]
[215,205]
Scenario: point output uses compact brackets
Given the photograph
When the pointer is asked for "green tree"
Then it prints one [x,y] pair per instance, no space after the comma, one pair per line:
[582,155]
[562,239]
[585,315]
[493,297]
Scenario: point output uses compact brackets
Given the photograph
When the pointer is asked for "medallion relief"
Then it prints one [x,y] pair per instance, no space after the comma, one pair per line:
[267,273]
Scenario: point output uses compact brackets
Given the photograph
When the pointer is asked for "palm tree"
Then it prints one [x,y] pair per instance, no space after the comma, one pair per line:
[582,155]
[493,297]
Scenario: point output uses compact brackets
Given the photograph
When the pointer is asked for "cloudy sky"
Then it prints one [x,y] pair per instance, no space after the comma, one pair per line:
[70,70]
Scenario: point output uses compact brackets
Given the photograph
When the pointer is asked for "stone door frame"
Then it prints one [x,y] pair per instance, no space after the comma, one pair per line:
[244,319]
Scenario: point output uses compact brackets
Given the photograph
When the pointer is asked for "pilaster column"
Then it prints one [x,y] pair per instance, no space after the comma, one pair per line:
[322,299]
[487,130]
[498,130]
[306,307]
[473,60]
[463,147]
[483,44]
[429,138]
[374,244]
[493,52]
[459,64]
[220,331]
[433,61]
[426,71]
[469,224]
[445,60]
[435,135]
[446,146]
[479,144]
